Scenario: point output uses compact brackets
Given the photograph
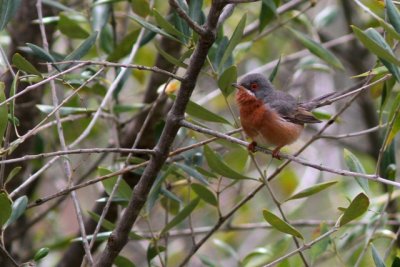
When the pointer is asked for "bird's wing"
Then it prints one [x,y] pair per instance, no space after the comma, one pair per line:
[301,116]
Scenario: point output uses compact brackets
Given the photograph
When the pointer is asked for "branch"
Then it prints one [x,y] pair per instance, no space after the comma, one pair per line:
[192,24]
[121,65]
[119,236]
[304,247]
[320,167]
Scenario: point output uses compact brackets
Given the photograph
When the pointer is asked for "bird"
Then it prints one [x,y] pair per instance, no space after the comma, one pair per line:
[272,117]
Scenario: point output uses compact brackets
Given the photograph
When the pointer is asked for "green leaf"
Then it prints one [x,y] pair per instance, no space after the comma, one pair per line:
[12,173]
[268,13]
[6,207]
[235,39]
[205,194]
[357,207]
[219,166]
[141,7]
[40,254]
[42,54]
[192,172]
[71,27]
[275,70]
[81,50]
[377,258]
[226,248]
[374,47]
[13,90]
[23,64]
[396,126]
[152,252]
[185,212]
[318,50]
[199,112]
[170,58]
[124,47]
[18,208]
[196,11]
[396,262]
[166,25]
[280,224]
[226,79]
[64,111]
[326,16]
[123,191]
[8,8]
[355,165]
[319,248]
[205,172]
[312,190]
[121,261]
[3,113]
[393,15]
[100,15]
[152,28]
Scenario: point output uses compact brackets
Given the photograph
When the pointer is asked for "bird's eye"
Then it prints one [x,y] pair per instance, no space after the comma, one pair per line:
[254,86]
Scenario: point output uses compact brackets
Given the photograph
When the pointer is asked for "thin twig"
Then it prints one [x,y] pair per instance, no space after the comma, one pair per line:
[304,247]
[120,65]
[67,164]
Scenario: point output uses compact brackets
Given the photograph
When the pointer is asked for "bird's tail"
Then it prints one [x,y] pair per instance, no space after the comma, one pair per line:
[330,98]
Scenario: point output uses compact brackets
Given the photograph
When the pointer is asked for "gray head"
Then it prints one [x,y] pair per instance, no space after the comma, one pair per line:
[257,84]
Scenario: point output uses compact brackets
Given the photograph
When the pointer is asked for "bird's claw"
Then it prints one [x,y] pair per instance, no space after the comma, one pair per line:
[275,153]
[252,147]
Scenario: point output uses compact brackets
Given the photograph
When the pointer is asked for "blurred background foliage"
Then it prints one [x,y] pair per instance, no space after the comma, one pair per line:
[306,47]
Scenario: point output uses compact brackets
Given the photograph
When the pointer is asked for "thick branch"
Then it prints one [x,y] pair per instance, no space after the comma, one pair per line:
[119,236]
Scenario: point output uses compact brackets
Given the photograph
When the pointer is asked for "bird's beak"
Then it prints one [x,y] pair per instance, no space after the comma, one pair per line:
[236,85]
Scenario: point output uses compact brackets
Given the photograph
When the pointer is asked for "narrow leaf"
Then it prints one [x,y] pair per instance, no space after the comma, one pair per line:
[235,39]
[219,166]
[71,27]
[396,262]
[81,50]
[267,14]
[42,54]
[64,111]
[121,261]
[275,70]
[205,194]
[23,64]
[18,208]
[312,190]
[199,112]
[318,50]
[3,113]
[377,258]
[393,15]
[374,47]
[226,79]
[40,254]
[192,172]
[6,208]
[151,27]
[355,165]
[12,173]
[166,25]
[123,191]
[185,212]
[280,224]
[357,207]
[8,8]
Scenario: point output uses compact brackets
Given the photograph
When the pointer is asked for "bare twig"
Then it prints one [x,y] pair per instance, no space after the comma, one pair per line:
[304,247]
[67,164]
[121,65]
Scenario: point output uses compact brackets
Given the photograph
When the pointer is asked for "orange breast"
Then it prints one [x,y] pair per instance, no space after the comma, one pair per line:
[264,125]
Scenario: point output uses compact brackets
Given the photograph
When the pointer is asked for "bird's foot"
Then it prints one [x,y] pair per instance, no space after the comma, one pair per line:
[275,153]
[252,147]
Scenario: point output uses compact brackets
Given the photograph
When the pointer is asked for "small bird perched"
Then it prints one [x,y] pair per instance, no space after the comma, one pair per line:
[271,117]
